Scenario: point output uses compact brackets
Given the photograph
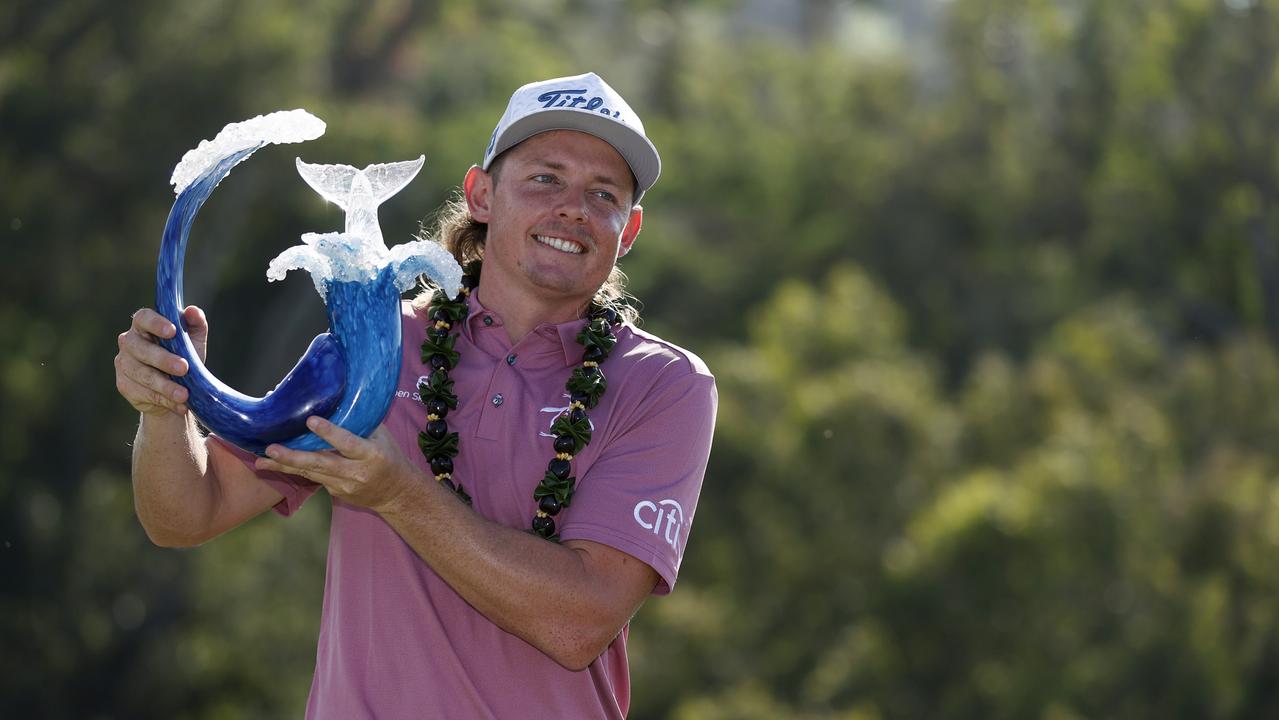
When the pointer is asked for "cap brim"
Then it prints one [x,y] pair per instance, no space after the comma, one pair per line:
[635,149]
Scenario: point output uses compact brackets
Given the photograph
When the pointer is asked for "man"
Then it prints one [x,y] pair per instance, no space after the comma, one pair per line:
[442,602]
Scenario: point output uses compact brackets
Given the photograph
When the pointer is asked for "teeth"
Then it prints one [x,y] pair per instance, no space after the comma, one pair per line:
[558,244]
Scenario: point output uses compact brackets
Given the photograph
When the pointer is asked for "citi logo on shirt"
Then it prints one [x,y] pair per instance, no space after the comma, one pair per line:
[664,518]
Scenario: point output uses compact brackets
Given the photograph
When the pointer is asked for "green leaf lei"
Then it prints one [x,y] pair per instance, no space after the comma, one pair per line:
[572,429]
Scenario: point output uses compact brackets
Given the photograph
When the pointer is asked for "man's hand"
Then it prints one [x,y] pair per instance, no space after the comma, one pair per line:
[183,494]
[143,367]
[371,473]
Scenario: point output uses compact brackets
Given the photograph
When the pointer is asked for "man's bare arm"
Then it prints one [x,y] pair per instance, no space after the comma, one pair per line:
[569,601]
[183,493]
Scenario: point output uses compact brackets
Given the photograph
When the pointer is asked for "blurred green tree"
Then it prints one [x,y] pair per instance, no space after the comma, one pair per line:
[993,306]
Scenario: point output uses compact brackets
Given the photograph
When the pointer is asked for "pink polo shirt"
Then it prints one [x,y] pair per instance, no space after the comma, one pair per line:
[395,640]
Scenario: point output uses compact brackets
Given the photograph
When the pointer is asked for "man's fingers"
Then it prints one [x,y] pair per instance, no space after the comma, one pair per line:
[318,467]
[342,440]
[143,367]
[133,345]
[151,322]
[198,328]
[195,319]
[149,377]
[271,465]
[324,467]
[295,460]
[266,463]
[143,397]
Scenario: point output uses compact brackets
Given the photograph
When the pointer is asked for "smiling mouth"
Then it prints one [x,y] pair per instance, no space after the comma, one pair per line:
[560,244]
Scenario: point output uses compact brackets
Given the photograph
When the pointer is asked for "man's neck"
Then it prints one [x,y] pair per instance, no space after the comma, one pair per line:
[521,312]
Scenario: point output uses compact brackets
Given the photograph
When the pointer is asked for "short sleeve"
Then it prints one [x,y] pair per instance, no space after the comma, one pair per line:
[295,489]
[640,495]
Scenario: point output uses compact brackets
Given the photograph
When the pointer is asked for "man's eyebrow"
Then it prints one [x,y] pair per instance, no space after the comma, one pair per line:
[607,180]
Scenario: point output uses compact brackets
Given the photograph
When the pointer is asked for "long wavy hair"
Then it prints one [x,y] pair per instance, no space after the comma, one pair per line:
[464,236]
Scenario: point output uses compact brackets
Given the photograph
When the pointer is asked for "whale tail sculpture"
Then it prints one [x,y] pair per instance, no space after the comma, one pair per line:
[348,374]
[359,192]
[349,188]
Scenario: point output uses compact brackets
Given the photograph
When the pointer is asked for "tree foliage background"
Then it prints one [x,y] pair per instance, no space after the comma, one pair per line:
[991,288]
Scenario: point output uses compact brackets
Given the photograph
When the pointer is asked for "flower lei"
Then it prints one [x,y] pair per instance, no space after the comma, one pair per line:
[572,429]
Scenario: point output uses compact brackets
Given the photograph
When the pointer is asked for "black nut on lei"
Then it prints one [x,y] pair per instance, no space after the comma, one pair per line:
[543,526]
[549,505]
[437,429]
[609,314]
[559,468]
[441,464]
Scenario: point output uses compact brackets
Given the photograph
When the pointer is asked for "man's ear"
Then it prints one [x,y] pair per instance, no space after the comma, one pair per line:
[631,231]
[478,189]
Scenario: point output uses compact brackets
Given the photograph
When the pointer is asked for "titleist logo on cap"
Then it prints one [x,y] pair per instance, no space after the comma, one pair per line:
[571,99]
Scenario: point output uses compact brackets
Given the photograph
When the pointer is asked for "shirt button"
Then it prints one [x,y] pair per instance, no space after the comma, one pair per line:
[488,319]
[510,359]
[497,400]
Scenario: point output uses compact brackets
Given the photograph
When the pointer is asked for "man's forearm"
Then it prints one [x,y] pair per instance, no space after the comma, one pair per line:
[569,601]
[170,496]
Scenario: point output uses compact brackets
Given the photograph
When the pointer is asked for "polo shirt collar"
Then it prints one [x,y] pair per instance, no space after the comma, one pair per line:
[565,333]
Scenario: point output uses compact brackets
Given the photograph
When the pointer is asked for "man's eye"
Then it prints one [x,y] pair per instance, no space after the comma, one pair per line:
[543,178]
[606,196]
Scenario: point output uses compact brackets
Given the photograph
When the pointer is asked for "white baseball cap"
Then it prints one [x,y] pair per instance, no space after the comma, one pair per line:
[580,102]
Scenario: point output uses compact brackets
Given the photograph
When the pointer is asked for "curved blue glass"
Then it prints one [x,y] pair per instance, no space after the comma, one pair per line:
[347,374]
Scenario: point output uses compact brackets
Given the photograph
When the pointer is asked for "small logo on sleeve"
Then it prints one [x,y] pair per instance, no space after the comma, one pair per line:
[665,519]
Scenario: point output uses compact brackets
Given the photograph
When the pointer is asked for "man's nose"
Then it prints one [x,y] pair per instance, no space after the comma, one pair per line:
[573,209]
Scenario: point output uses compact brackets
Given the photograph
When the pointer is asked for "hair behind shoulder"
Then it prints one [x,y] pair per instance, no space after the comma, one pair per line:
[463,236]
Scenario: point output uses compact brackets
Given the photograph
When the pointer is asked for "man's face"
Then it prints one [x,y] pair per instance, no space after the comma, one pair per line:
[559,215]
